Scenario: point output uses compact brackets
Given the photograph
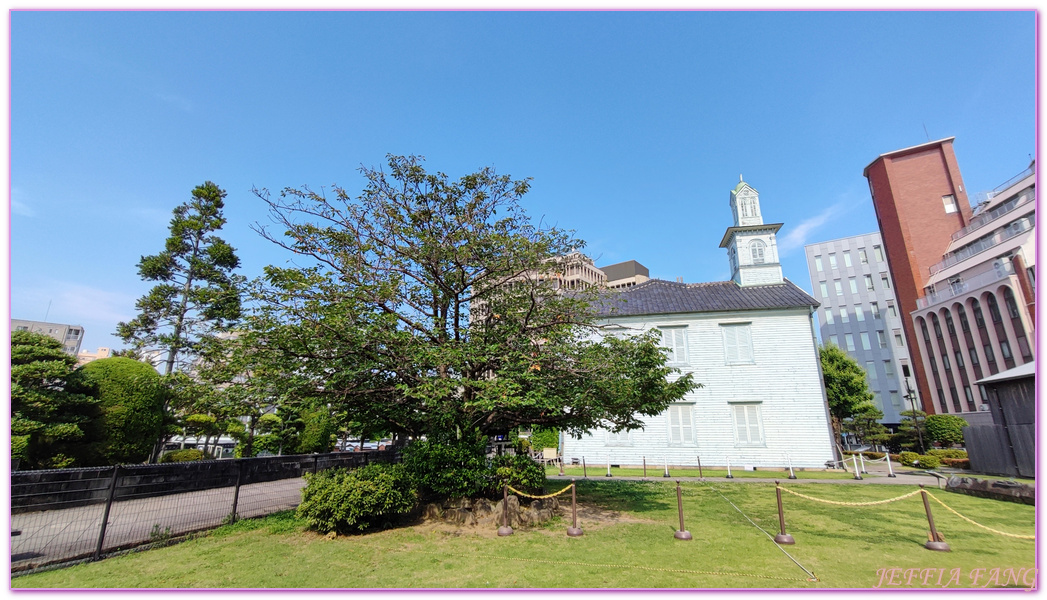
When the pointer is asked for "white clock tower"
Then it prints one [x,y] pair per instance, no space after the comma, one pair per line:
[751,245]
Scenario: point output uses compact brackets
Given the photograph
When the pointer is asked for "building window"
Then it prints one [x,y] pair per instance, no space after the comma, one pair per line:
[891,310]
[950,203]
[941,402]
[870,371]
[970,397]
[832,260]
[896,400]
[869,282]
[949,324]
[828,316]
[846,258]
[843,315]
[859,314]
[955,399]
[818,263]
[1012,306]
[884,281]
[937,326]
[974,355]
[747,427]
[964,325]
[618,439]
[674,339]
[756,249]
[839,287]
[835,341]
[882,338]
[898,341]
[681,424]
[979,319]
[849,339]
[994,309]
[879,253]
[865,341]
[959,359]
[988,353]
[863,257]
[21,328]
[824,289]
[945,362]
[888,367]
[875,307]
[854,285]
[738,343]
[1005,349]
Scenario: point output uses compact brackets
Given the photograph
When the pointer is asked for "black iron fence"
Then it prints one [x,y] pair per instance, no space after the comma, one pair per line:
[65,515]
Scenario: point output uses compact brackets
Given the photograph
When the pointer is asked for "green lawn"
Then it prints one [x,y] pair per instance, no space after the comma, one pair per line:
[842,546]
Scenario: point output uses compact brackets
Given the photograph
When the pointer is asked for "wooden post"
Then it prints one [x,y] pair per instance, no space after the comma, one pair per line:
[585,474]
[700,476]
[782,537]
[505,529]
[681,534]
[574,530]
[645,468]
[937,542]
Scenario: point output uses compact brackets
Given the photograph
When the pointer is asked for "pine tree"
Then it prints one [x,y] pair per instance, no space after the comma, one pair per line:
[197,292]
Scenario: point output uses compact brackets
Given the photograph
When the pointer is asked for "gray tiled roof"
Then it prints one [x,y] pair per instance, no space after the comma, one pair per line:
[659,297]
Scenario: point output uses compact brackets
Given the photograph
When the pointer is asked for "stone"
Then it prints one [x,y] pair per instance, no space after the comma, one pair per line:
[432,511]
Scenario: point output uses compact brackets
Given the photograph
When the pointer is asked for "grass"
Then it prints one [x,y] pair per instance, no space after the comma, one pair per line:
[843,546]
[656,472]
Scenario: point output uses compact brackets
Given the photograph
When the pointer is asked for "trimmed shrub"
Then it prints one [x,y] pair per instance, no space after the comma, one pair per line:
[542,437]
[187,455]
[519,471]
[132,401]
[868,455]
[908,458]
[948,453]
[346,501]
[448,470]
[945,429]
[957,463]
[927,461]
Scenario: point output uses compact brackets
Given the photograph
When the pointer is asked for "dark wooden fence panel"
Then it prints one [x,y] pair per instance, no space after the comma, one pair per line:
[987,450]
[1024,439]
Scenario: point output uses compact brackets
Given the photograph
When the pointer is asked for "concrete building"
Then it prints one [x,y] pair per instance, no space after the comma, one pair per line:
[859,313]
[71,336]
[749,341]
[83,357]
[952,267]
[625,274]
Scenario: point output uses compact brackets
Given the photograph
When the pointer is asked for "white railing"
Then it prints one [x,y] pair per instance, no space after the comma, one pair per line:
[958,289]
[992,215]
[982,245]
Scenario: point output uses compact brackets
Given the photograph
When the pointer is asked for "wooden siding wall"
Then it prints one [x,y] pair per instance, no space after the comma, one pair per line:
[784,379]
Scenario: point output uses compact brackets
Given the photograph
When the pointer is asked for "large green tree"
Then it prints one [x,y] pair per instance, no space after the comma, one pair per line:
[945,429]
[132,399]
[196,291]
[196,294]
[428,306]
[50,425]
[846,387]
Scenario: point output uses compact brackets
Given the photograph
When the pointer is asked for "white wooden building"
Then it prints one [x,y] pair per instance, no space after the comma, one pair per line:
[749,341]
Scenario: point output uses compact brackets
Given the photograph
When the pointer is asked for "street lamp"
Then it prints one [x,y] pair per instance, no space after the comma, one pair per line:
[910,395]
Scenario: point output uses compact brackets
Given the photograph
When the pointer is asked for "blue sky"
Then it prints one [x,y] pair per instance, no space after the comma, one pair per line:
[633,125]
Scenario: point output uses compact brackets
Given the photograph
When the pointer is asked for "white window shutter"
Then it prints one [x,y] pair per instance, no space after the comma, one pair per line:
[674,425]
[686,424]
[754,424]
[731,341]
[741,429]
[745,346]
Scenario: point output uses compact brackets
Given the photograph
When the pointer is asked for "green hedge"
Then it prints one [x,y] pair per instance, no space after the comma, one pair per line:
[928,461]
[957,463]
[908,458]
[947,453]
[346,501]
[187,455]
[448,470]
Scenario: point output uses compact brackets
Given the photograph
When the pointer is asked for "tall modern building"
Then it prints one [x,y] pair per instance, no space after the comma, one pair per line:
[70,335]
[859,313]
[957,271]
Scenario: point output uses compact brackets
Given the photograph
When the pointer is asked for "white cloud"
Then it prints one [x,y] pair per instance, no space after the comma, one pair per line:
[798,235]
[97,309]
[19,208]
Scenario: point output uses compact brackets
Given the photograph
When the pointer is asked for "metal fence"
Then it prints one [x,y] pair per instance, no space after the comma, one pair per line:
[65,515]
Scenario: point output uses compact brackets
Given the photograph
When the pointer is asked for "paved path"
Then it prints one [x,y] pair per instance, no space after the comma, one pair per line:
[59,535]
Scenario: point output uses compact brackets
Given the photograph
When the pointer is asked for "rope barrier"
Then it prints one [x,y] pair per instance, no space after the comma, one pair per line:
[539,497]
[850,503]
[973,522]
[616,566]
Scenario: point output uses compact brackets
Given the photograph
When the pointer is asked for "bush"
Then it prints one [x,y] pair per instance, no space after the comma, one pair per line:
[946,429]
[948,453]
[957,463]
[345,501]
[908,458]
[519,471]
[542,437]
[448,470]
[187,455]
[927,461]
[867,455]
[132,400]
